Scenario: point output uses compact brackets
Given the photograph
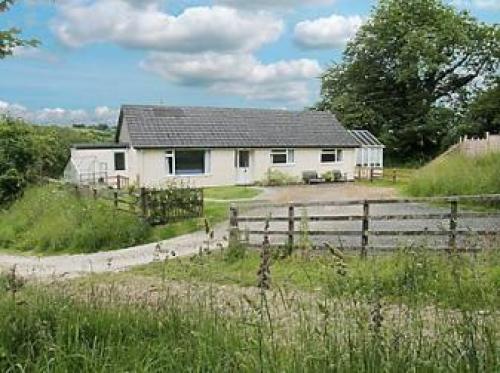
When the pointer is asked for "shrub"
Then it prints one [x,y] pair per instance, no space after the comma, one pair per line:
[52,218]
[276,177]
[328,176]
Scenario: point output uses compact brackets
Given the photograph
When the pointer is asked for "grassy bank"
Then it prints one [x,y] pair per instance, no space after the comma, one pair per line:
[408,274]
[457,175]
[51,219]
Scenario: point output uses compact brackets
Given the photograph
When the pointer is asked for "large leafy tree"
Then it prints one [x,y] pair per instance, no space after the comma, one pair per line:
[10,38]
[407,68]
[483,114]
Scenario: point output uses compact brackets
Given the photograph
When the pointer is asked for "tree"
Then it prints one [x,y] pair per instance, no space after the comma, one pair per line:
[410,63]
[484,112]
[9,39]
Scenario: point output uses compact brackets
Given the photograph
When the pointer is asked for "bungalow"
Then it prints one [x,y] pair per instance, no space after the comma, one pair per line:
[156,145]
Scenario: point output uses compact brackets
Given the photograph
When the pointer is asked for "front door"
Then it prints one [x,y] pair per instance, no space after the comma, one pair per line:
[243,167]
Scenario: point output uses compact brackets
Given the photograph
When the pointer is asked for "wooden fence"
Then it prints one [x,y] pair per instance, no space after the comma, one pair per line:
[365,232]
[157,206]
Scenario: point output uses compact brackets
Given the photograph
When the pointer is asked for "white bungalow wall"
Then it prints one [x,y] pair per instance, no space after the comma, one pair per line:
[150,167]
[97,161]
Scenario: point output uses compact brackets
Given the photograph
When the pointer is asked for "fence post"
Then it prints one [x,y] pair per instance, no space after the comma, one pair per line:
[77,191]
[118,182]
[291,228]
[144,202]
[364,229]
[201,202]
[115,199]
[452,242]
[234,232]
[371,174]
[394,176]
[94,193]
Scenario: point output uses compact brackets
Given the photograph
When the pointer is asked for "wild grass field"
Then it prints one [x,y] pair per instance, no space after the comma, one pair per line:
[457,175]
[51,219]
[411,312]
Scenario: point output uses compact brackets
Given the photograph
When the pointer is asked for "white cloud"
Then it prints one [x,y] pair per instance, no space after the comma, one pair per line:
[273,4]
[330,32]
[101,114]
[240,74]
[196,29]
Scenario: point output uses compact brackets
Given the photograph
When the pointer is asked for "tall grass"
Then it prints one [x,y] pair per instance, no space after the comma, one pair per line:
[458,175]
[53,219]
[100,330]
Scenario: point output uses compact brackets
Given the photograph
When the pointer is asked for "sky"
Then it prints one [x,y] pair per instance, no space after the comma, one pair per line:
[99,54]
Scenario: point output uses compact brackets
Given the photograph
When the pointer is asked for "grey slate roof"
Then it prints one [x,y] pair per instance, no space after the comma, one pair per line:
[364,137]
[206,127]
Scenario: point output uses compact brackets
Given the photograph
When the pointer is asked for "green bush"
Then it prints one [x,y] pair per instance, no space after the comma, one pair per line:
[457,175]
[53,219]
[331,176]
[276,177]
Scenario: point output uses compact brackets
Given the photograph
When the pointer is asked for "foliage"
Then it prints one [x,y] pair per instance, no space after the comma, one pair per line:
[457,175]
[275,177]
[53,219]
[406,70]
[172,203]
[484,113]
[9,39]
[30,153]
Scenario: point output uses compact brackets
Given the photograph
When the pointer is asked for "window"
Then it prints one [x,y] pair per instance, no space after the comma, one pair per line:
[282,156]
[332,155]
[120,161]
[187,162]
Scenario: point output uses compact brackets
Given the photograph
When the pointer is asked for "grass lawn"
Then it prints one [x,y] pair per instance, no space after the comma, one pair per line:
[215,212]
[231,192]
[403,177]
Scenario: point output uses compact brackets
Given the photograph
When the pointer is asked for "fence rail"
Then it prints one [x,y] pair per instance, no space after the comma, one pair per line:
[365,232]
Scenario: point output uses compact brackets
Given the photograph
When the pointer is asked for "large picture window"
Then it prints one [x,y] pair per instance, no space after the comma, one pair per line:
[331,155]
[282,156]
[186,162]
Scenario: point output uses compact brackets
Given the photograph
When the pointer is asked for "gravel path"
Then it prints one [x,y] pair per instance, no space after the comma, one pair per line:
[107,261]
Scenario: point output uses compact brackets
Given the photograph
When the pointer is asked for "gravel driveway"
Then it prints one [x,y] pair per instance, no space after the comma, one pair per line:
[340,192]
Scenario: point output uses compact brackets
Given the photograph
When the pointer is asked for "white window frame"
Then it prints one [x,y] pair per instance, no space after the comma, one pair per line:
[338,152]
[170,154]
[289,154]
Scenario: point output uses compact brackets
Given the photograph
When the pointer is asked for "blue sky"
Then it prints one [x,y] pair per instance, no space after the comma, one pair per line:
[99,54]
